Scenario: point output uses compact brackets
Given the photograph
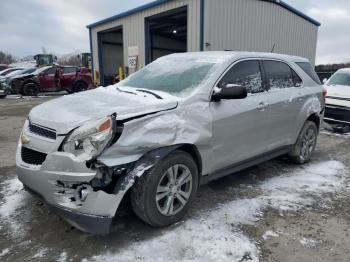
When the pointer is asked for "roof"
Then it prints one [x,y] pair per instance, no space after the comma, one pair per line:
[159,2]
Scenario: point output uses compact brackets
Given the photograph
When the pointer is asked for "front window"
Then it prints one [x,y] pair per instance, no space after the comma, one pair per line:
[178,76]
[340,78]
[246,74]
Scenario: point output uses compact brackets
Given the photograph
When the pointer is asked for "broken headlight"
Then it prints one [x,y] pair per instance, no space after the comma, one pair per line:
[89,140]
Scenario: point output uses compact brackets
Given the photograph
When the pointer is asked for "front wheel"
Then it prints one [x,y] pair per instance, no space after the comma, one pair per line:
[79,87]
[305,146]
[162,196]
[30,89]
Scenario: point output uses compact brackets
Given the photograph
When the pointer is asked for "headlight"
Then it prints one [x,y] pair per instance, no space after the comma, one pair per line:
[89,140]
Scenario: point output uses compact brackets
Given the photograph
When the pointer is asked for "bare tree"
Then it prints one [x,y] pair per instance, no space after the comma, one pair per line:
[72,59]
[6,58]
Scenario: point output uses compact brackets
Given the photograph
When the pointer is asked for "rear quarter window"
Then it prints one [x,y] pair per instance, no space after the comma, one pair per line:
[309,70]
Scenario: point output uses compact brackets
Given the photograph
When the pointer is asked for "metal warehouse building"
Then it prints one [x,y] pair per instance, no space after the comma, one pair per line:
[139,36]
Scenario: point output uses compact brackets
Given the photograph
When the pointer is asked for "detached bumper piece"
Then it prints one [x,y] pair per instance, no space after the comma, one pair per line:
[337,115]
[91,224]
[97,225]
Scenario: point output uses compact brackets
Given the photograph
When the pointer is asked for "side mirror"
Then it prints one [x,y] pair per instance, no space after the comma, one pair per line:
[230,91]
[324,80]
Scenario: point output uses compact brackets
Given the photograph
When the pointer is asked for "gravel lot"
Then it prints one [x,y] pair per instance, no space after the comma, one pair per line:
[273,212]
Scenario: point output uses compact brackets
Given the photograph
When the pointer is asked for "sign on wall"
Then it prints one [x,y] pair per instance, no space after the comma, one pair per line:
[132,62]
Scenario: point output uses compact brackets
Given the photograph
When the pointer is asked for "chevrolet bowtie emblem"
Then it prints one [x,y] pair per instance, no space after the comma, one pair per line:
[24,140]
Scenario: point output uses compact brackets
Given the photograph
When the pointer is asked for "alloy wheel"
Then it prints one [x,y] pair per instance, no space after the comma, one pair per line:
[174,190]
[308,144]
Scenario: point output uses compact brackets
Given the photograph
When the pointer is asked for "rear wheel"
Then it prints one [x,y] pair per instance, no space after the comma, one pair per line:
[162,196]
[305,146]
[30,89]
[79,87]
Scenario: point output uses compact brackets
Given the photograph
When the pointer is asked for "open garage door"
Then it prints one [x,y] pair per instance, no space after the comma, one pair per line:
[166,33]
[111,55]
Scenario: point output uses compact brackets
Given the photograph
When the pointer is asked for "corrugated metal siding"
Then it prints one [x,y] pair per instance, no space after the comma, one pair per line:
[253,25]
[134,28]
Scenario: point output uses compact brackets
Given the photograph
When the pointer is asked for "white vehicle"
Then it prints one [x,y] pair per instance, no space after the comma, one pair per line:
[338,99]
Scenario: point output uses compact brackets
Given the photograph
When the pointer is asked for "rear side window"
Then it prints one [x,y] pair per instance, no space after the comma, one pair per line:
[245,73]
[279,75]
[308,69]
[69,70]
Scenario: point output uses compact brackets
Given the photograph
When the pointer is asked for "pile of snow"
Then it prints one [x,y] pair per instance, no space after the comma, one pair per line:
[215,235]
[13,199]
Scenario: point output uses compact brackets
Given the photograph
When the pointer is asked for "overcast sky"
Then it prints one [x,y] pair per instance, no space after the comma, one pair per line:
[60,26]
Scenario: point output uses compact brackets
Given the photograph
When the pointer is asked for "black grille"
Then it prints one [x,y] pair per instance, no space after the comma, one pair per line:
[41,131]
[32,157]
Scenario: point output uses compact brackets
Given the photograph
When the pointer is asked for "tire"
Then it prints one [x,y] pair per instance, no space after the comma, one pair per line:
[30,89]
[305,146]
[79,87]
[155,212]
[2,96]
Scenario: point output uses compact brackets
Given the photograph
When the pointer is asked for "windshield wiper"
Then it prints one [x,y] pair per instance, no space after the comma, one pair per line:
[149,92]
[128,92]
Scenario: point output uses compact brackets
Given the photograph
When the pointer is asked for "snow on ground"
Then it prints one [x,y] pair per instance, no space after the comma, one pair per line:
[215,234]
[63,257]
[4,252]
[334,134]
[41,253]
[13,198]
[270,234]
[309,243]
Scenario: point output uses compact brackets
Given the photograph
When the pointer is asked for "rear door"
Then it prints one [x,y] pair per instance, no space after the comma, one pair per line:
[68,77]
[285,98]
[49,79]
[240,126]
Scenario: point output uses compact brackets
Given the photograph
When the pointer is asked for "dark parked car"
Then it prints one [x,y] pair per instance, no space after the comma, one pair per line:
[53,78]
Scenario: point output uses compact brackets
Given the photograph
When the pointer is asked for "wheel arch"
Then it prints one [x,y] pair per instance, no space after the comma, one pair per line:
[29,82]
[80,81]
[148,161]
[316,119]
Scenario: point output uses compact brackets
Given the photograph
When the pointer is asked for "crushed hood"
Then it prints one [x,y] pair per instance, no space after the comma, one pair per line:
[68,112]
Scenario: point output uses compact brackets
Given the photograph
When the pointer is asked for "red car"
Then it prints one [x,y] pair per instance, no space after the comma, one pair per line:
[53,78]
[3,67]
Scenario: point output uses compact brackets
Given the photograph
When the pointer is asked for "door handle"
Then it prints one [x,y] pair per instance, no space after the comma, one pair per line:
[262,106]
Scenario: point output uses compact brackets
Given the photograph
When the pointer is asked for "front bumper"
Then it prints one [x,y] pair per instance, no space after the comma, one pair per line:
[337,115]
[58,181]
[88,223]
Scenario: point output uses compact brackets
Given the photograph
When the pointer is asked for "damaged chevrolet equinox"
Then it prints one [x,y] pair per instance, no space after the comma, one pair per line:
[178,123]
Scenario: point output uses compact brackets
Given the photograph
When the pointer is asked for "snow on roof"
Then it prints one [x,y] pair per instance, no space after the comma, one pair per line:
[24,64]
[228,55]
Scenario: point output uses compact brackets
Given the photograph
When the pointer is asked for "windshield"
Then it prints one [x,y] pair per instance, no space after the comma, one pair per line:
[177,76]
[340,79]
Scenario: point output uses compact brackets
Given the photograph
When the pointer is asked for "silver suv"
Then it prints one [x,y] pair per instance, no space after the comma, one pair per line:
[180,122]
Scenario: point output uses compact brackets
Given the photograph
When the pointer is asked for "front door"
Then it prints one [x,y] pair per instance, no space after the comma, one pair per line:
[49,79]
[240,126]
[68,77]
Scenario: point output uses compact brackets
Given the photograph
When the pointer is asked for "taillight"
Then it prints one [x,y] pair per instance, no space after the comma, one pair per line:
[324,92]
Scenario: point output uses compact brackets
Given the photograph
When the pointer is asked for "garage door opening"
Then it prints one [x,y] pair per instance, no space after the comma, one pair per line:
[166,33]
[111,56]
